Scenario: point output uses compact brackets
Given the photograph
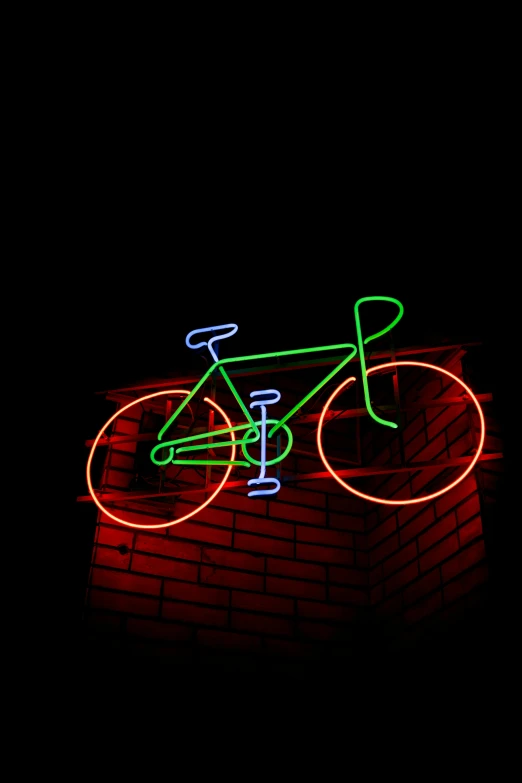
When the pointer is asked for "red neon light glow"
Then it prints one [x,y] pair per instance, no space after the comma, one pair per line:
[172,521]
[425,497]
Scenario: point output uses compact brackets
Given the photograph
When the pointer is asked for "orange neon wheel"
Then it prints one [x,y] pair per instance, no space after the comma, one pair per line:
[121,521]
[422,499]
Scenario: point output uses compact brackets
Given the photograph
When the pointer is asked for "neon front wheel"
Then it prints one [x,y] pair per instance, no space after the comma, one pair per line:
[122,521]
[365,496]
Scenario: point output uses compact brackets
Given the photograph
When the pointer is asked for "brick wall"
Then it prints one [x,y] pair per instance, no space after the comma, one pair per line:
[309,575]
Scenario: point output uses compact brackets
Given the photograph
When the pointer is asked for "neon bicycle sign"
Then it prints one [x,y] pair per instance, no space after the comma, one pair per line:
[176,450]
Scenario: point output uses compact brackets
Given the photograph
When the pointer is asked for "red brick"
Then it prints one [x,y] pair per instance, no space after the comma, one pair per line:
[414,446]
[160,566]
[307,498]
[138,519]
[262,603]
[115,536]
[231,500]
[275,626]
[360,542]
[239,560]
[383,457]
[431,413]
[107,556]
[435,448]
[441,423]
[122,602]
[123,461]
[182,550]
[468,509]
[307,516]
[295,588]
[465,583]
[227,640]
[439,530]
[461,446]
[348,576]
[324,554]
[453,496]
[345,503]
[204,533]
[458,428]
[402,557]
[192,613]
[402,577]
[225,578]
[405,513]
[123,580]
[375,575]
[439,552]
[118,479]
[269,546]
[295,569]
[322,611]
[267,527]
[184,591]
[125,424]
[395,488]
[413,528]
[348,595]
[426,607]
[324,536]
[210,515]
[362,559]
[413,427]
[424,585]
[431,388]
[419,482]
[155,629]
[384,549]
[382,531]
[346,522]
[128,447]
[470,530]
[466,558]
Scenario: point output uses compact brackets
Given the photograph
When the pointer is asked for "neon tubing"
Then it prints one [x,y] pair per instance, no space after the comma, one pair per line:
[275,398]
[255,493]
[362,343]
[300,404]
[233,329]
[180,407]
[273,355]
[372,498]
[172,521]
[276,459]
[261,479]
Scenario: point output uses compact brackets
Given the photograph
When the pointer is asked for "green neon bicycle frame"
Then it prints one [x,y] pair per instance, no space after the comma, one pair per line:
[352,350]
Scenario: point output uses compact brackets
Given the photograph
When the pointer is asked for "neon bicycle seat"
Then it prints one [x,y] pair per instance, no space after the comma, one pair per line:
[232,329]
